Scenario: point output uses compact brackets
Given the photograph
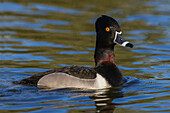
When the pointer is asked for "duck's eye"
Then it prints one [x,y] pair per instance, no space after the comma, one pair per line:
[107,29]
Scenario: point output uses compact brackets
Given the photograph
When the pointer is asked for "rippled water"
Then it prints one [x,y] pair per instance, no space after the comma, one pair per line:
[37,35]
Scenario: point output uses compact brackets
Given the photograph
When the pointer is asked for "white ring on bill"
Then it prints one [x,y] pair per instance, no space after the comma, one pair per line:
[124,43]
[116,35]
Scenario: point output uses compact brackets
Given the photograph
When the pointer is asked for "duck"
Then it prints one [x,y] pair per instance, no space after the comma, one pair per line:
[104,74]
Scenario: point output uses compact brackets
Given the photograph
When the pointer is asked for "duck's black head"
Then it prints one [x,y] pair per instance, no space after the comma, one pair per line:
[109,33]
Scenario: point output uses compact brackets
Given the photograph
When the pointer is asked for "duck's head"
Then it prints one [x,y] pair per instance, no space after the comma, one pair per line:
[109,33]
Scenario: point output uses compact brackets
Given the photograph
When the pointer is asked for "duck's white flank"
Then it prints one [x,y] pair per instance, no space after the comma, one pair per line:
[101,82]
[63,80]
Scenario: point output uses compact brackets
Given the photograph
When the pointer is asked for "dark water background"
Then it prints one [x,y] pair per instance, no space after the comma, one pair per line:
[38,35]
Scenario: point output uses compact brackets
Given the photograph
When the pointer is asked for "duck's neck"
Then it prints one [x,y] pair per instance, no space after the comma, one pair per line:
[104,55]
[105,63]
[104,52]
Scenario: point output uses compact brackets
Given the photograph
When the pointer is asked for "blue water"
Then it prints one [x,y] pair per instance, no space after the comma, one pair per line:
[36,36]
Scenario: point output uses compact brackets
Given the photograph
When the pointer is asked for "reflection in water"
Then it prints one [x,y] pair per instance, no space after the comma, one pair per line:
[103,99]
[38,35]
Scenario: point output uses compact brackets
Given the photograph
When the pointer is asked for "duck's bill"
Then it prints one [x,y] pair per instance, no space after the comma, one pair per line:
[121,41]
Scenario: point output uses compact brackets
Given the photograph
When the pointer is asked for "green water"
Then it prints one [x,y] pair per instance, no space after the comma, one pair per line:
[38,35]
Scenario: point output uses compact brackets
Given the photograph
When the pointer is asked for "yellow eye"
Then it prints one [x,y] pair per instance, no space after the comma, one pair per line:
[107,29]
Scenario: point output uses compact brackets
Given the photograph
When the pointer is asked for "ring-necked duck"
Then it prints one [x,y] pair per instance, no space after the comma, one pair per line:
[105,73]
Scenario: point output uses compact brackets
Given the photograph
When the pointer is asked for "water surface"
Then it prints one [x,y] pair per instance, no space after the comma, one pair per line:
[37,35]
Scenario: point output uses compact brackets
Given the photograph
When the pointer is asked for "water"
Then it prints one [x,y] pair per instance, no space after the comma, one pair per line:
[36,36]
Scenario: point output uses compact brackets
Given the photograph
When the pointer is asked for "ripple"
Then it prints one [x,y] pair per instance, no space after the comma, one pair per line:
[141,31]
[12,49]
[55,9]
[22,57]
[134,37]
[7,32]
[164,40]
[150,51]
[161,67]
[150,19]
[87,33]
[163,7]
[52,30]
[73,52]
[29,43]
[18,8]
[22,70]
[166,75]
[9,6]
[143,93]
[158,47]
[20,24]
[131,68]
[53,22]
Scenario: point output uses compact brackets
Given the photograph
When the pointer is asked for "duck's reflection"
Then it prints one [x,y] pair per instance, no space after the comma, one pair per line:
[103,99]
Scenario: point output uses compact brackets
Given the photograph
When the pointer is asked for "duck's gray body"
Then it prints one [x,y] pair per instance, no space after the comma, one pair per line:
[60,80]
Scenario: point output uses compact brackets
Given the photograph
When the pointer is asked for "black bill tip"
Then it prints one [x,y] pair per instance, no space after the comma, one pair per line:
[129,45]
